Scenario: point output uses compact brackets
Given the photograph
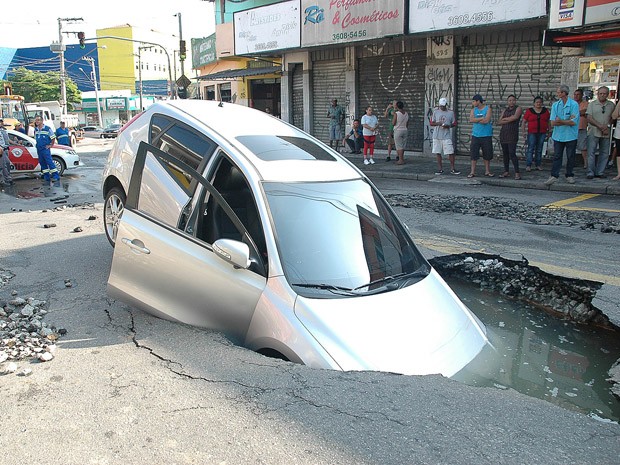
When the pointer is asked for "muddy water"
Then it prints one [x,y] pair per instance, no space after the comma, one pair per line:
[542,356]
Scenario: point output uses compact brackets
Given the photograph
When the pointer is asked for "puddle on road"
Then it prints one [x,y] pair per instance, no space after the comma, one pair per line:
[28,188]
[542,356]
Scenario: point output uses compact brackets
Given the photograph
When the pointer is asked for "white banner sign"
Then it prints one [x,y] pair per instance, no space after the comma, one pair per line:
[565,13]
[602,11]
[272,27]
[343,21]
[436,15]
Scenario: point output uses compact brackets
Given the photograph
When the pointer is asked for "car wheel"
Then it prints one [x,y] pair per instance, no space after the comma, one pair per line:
[112,212]
[60,165]
[73,141]
[101,136]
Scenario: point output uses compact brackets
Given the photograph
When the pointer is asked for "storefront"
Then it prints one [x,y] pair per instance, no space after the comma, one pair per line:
[496,65]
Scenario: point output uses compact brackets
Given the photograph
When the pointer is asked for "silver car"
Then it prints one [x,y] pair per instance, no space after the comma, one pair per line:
[225,217]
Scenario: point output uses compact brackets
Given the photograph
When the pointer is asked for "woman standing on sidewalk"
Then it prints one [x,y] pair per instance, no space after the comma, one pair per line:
[535,129]
[509,136]
[400,123]
[370,123]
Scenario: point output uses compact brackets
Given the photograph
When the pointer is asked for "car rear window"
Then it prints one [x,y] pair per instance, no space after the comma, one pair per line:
[274,148]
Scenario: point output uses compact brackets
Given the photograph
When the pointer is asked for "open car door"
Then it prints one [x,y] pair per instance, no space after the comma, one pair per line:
[161,265]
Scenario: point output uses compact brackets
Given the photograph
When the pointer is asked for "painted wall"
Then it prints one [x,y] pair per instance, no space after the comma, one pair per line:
[116,61]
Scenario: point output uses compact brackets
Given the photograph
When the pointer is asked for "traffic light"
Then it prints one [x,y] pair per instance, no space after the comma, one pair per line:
[182,92]
[81,36]
[182,50]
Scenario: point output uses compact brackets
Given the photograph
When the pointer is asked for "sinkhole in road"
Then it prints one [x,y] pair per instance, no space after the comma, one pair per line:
[541,355]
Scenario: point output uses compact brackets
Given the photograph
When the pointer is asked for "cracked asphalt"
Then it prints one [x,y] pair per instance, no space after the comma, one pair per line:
[128,388]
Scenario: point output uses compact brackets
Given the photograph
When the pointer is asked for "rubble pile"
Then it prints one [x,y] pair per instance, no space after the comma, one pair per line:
[503,209]
[571,298]
[23,333]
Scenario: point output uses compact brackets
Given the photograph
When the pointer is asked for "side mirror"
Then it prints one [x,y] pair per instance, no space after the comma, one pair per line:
[234,252]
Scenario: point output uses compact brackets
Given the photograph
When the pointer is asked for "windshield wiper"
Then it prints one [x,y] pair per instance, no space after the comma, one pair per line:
[419,273]
[328,287]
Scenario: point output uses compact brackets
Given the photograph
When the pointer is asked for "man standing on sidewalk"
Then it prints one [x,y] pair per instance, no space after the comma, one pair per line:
[599,121]
[443,120]
[335,113]
[582,138]
[565,123]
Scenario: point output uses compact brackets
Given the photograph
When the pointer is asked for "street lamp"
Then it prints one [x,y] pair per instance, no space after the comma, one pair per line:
[91,60]
[170,82]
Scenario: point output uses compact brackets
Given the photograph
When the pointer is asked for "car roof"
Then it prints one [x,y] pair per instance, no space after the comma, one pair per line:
[244,127]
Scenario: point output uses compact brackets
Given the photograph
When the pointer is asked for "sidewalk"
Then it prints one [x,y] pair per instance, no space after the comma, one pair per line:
[420,167]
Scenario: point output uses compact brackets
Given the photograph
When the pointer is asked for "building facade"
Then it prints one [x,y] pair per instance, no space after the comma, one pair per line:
[417,51]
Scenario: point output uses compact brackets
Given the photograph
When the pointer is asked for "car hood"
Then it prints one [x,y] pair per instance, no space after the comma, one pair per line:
[417,330]
[63,147]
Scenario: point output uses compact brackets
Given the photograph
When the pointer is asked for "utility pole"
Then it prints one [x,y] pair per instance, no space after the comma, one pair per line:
[63,81]
[182,54]
[140,71]
[91,60]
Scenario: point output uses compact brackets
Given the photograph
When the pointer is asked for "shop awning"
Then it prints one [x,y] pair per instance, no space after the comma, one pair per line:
[240,73]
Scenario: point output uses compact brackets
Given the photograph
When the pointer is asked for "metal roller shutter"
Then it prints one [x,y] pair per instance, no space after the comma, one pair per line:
[525,69]
[328,82]
[298,97]
[394,77]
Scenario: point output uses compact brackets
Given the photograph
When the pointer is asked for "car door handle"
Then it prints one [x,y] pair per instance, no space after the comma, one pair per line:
[137,247]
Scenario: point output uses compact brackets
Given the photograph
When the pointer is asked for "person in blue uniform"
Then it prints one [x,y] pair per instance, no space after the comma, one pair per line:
[44,136]
[62,135]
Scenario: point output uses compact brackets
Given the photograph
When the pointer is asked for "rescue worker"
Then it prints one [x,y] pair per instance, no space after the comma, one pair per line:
[44,136]
[62,135]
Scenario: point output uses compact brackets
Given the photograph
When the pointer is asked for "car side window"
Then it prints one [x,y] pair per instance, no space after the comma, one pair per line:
[181,141]
[159,189]
[213,222]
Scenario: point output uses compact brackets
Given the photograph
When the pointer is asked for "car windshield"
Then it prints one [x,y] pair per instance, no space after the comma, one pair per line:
[340,239]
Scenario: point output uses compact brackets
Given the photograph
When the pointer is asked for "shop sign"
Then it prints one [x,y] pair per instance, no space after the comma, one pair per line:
[602,11]
[90,104]
[344,21]
[116,103]
[268,28]
[565,13]
[436,15]
[203,51]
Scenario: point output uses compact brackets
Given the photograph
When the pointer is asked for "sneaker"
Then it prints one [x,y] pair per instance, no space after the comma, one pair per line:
[551,180]
[388,158]
[455,172]
[366,162]
[589,176]
[528,168]
[570,180]
[600,176]
[439,172]
[372,161]
[539,168]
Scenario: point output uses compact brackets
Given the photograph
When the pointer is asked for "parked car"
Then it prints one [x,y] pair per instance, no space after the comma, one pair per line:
[24,157]
[224,217]
[111,131]
[92,131]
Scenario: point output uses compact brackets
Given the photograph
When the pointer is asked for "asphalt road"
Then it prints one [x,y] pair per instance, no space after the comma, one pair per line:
[128,388]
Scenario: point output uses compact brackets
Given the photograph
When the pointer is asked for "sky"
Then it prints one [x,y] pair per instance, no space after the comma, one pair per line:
[36,23]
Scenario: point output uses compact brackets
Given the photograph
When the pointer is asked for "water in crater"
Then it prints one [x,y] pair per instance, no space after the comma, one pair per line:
[541,355]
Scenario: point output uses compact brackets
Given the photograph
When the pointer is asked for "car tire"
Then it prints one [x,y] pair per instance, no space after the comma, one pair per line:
[60,165]
[73,140]
[112,212]
[102,136]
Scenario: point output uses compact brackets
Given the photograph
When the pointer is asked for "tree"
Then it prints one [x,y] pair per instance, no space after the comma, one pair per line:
[35,86]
